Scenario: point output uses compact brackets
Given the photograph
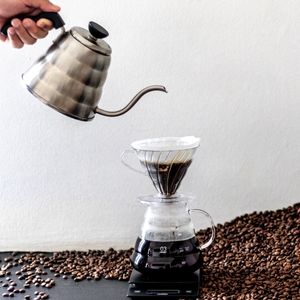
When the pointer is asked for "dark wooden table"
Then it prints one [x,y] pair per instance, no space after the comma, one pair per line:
[70,290]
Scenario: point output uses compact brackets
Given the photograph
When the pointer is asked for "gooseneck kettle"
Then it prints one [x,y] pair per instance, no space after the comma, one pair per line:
[70,76]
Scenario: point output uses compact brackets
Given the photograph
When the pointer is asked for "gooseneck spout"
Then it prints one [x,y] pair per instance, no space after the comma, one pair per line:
[135,99]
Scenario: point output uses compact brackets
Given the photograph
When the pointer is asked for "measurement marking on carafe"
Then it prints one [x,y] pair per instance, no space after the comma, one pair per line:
[163,249]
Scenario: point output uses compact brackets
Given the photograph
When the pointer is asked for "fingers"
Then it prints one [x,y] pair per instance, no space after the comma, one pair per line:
[22,33]
[37,30]
[27,32]
[14,39]
[44,24]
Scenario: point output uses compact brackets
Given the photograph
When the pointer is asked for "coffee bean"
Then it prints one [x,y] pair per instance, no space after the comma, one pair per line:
[27,297]
[5,295]
[10,289]
[8,259]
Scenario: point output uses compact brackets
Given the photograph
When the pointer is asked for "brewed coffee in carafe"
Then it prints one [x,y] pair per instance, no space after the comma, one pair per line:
[167,242]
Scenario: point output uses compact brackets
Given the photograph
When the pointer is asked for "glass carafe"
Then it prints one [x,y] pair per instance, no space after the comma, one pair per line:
[168,242]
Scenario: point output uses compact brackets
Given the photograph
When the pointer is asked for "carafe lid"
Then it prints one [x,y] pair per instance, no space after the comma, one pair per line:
[92,38]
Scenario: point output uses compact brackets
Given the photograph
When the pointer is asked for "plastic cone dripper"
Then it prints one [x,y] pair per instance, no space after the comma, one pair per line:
[166,160]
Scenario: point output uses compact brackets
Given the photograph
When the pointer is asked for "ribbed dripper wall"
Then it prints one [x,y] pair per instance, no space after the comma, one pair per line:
[166,168]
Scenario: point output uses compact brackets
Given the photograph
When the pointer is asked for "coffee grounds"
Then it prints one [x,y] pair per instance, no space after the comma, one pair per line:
[255,256]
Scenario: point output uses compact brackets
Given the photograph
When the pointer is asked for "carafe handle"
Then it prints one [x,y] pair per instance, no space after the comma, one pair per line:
[125,157]
[207,215]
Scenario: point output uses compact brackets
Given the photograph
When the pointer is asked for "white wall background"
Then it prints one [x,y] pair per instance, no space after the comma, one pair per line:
[232,69]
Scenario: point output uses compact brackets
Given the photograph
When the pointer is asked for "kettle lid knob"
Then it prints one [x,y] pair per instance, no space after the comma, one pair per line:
[97,31]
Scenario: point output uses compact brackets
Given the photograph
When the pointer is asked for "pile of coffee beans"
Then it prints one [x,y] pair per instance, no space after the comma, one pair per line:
[255,256]
[32,269]
[29,274]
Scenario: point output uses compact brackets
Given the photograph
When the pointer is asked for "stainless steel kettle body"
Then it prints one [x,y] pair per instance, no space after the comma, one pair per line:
[71,75]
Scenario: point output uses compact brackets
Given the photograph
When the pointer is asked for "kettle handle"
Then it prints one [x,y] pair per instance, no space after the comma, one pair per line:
[52,16]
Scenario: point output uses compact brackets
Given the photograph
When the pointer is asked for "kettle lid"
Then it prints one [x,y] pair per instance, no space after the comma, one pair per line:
[92,38]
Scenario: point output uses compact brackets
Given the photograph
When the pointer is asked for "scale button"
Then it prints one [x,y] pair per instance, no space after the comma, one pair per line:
[137,291]
[189,291]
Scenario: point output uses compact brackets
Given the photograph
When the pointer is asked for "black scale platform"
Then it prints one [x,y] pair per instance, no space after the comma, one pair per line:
[166,287]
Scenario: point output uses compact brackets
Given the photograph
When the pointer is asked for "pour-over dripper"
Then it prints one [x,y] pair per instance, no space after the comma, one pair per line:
[166,160]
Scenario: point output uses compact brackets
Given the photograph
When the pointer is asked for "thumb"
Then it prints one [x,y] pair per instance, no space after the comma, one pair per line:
[48,6]
[43,5]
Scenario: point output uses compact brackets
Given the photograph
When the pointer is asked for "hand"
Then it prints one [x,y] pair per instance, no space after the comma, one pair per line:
[26,31]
